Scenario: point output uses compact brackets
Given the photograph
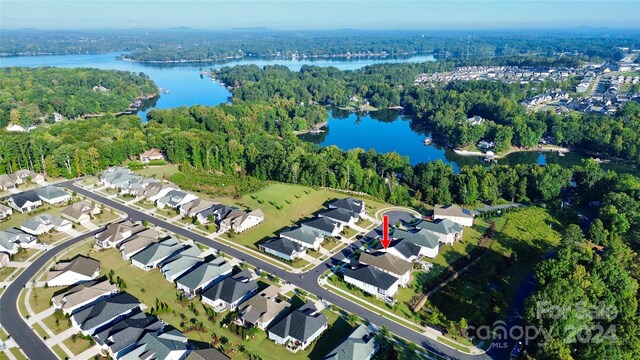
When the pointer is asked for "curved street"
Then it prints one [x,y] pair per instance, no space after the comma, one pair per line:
[35,348]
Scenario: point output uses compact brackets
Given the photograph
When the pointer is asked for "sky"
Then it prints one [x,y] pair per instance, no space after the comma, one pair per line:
[319,14]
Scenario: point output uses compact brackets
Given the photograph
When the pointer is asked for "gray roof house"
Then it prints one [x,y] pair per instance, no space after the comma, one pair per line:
[264,308]
[390,264]
[305,236]
[204,276]
[180,263]
[446,230]
[352,204]
[122,336]
[283,248]
[324,226]
[25,201]
[83,295]
[359,345]
[218,212]
[52,194]
[346,217]
[206,354]
[117,233]
[138,242]
[171,344]
[104,313]
[43,223]
[174,199]
[428,242]
[193,207]
[230,292]
[372,280]
[12,239]
[155,253]
[300,328]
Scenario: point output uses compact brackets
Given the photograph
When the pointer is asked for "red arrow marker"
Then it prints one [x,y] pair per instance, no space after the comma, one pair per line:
[385,230]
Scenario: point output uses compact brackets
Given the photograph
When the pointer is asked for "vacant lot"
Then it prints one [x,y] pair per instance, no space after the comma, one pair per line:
[484,293]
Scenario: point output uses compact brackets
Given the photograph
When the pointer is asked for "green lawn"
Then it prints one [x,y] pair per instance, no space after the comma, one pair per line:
[78,346]
[24,254]
[18,354]
[61,326]
[158,172]
[58,350]
[484,293]
[295,203]
[146,204]
[40,298]
[3,335]
[5,272]
[40,331]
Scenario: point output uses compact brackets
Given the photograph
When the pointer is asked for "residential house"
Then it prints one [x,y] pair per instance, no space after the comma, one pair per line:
[372,281]
[155,253]
[204,276]
[152,154]
[300,328]
[324,226]
[446,230]
[25,201]
[216,213]
[24,176]
[122,337]
[180,263]
[359,345]
[4,260]
[207,354]
[138,242]
[454,213]
[389,264]
[342,216]
[155,191]
[304,236]
[230,292]
[116,233]
[44,223]
[475,120]
[12,239]
[283,248]
[486,145]
[83,295]
[428,242]
[169,345]
[263,309]
[80,212]
[191,208]
[136,186]
[5,212]
[78,270]
[52,195]
[104,313]
[117,177]
[174,199]
[6,183]
[351,204]
[239,221]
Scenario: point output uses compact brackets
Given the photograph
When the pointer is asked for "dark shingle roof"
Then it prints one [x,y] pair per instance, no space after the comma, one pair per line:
[232,289]
[282,245]
[128,331]
[442,226]
[105,310]
[24,197]
[452,210]
[338,214]
[207,354]
[358,345]
[321,224]
[350,203]
[300,324]
[372,276]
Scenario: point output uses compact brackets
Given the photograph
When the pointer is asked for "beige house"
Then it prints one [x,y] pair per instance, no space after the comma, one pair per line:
[78,270]
[152,154]
[264,309]
[81,211]
[389,264]
[83,295]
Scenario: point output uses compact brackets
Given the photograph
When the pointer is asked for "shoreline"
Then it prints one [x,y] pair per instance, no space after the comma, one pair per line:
[317,126]
[546,148]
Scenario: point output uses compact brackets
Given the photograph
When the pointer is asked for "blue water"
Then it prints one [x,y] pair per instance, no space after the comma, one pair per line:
[384,131]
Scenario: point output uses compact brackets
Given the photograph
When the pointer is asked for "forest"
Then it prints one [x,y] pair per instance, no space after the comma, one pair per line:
[30,96]
[444,110]
[185,44]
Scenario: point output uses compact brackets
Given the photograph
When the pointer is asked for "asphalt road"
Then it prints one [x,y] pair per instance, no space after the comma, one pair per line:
[10,318]
[307,281]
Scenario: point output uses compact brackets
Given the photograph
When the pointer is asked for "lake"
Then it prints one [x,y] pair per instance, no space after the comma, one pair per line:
[383,131]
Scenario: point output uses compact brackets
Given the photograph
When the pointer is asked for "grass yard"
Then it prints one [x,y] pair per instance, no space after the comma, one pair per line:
[149,286]
[58,350]
[40,331]
[24,254]
[40,298]
[79,345]
[105,217]
[146,204]
[284,205]
[18,354]
[5,272]
[158,172]
[61,326]
[3,335]
[485,292]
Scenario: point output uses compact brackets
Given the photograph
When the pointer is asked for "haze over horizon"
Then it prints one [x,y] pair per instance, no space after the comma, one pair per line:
[319,15]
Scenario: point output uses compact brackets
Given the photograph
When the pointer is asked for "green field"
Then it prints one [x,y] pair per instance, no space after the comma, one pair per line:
[58,350]
[485,292]
[79,345]
[5,272]
[158,172]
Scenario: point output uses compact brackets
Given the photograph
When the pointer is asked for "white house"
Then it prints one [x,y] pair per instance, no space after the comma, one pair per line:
[304,236]
[324,226]
[25,201]
[230,292]
[174,199]
[12,239]
[105,312]
[350,204]
[342,216]
[156,253]
[454,213]
[300,328]
[5,212]
[83,295]
[239,221]
[53,195]
[283,248]
[389,264]
[446,230]
[372,281]
[44,223]
[77,270]
[426,243]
